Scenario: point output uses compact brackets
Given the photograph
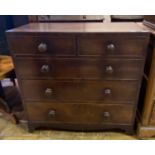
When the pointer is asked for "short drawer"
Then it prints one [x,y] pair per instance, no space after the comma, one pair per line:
[44,44]
[112,45]
[80,113]
[80,91]
[64,68]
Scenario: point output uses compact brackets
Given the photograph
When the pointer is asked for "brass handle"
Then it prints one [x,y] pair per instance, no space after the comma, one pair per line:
[44,68]
[42,47]
[107,91]
[111,47]
[48,92]
[109,69]
[106,114]
[52,113]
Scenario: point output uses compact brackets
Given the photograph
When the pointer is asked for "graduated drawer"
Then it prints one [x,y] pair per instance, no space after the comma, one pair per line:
[80,113]
[80,91]
[113,44]
[64,68]
[44,44]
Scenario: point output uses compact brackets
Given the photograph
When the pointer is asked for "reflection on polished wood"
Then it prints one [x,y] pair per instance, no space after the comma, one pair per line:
[79,27]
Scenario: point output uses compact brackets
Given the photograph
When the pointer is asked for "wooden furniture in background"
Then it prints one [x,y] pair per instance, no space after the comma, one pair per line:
[79,76]
[66,18]
[126,18]
[32,18]
[6,70]
[149,20]
[146,126]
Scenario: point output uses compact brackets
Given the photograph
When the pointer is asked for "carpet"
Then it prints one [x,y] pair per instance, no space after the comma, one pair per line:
[10,131]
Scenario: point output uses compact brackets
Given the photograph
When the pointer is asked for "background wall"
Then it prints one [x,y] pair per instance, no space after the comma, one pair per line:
[8,22]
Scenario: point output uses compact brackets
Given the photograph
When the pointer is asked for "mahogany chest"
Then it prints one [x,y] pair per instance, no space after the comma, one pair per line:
[79,76]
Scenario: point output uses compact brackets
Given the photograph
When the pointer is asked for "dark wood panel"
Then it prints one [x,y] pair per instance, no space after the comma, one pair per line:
[112,45]
[44,44]
[80,113]
[80,91]
[109,69]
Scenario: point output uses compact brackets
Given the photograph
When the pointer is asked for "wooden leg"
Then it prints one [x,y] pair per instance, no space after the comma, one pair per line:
[129,131]
[31,128]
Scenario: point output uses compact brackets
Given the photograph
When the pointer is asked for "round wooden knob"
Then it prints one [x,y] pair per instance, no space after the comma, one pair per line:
[42,47]
[52,113]
[45,68]
[106,114]
[109,69]
[111,47]
[48,92]
[107,91]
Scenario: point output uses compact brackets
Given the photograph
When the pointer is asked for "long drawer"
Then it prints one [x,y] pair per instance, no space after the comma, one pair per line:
[52,44]
[112,44]
[80,113]
[78,68]
[80,91]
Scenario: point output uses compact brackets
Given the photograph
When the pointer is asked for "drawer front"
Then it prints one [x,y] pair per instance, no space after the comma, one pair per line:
[107,69]
[80,113]
[80,91]
[59,45]
[112,45]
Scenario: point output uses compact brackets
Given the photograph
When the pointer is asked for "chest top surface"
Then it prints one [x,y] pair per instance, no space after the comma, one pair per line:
[79,28]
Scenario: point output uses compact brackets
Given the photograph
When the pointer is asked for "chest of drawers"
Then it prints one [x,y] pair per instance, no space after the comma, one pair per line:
[79,76]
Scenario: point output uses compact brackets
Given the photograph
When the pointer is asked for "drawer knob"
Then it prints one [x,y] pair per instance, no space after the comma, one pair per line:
[42,47]
[52,113]
[48,92]
[106,114]
[44,68]
[107,91]
[109,69]
[111,47]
